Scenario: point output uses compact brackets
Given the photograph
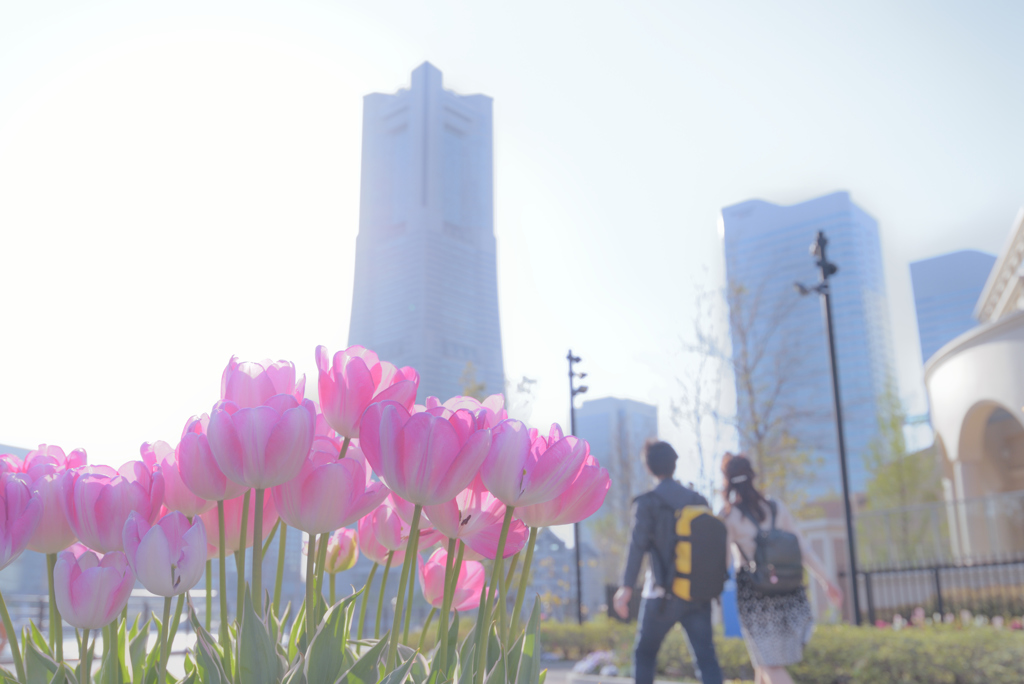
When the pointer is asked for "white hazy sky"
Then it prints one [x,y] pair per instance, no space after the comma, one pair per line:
[179,181]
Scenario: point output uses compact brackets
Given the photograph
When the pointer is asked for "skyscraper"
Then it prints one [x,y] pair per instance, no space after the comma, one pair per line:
[426,285]
[946,288]
[779,337]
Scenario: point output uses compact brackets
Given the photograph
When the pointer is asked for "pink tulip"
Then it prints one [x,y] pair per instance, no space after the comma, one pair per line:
[233,523]
[475,516]
[98,499]
[468,586]
[198,469]
[342,551]
[91,589]
[328,442]
[356,379]
[177,497]
[579,501]
[425,459]
[380,532]
[262,446]
[327,494]
[489,412]
[523,468]
[20,512]
[248,384]
[169,557]
[43,468]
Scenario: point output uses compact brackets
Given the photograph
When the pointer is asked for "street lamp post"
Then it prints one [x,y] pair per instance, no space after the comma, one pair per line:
[573,391]
[827,269]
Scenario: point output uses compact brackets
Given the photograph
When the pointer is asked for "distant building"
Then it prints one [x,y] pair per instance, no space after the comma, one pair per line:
[616,430]
[946,289]
[553,579]
[766,252]
[426,285]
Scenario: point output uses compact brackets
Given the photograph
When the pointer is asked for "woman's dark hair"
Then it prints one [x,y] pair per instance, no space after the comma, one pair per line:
[661,458]
[739,478]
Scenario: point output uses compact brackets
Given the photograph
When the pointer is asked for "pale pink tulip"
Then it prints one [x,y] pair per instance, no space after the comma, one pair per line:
[177,497]
[579,501]
[327,494]
[233,523]
[328,441]
[98,499]
[425,459]
[475,517]
[342,551]
[380,532]
[356,379]
[406,510]
[198,468]
[488,412]
[248,384]
[524,468]
[20,512]
[265,445]
[468,586]
[44,467]
[168,557]
[91,589]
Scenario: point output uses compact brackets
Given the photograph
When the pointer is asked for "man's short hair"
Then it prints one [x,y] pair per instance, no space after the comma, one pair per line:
[661,458]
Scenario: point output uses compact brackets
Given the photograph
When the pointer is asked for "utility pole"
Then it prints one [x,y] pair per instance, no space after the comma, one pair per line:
[573,391]
[826,269]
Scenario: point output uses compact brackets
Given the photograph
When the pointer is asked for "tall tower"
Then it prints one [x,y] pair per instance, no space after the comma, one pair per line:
[426,284]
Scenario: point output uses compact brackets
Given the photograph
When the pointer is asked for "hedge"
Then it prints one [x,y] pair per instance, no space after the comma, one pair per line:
[837,654]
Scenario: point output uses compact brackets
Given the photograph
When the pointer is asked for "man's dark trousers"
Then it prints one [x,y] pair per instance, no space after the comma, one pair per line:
[657,617]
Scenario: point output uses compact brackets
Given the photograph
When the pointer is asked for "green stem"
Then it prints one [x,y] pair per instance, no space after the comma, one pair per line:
[209,593]
[282,545]
[524,579]
[410,558]
[310,596]
[321,563]
[172,629]
[19,666]
[509,575]
[408,608]
[332,588]
[257,555]
[380,597]
[362,606]
[56,622]
[426,626]
[223,595]
[497,575]
[344,448]
[446,603]
[240,556]
[270,537]
[162,676]
[84,661]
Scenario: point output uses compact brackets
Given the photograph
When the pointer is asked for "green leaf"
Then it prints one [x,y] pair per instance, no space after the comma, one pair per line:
[494,650]
[298,630]
[257,657]
[420,669]
[529,666]
[189,679]
[543,675]
[39,667]
[324,657]
[399,674]
[63,675]
[512,657]
[137,652]
[40,640]
[498,673]
[466,657]
[364,671]
[295,674]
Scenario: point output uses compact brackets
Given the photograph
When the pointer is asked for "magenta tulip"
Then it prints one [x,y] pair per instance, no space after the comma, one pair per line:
[198,468]
[356,379]
[20,512]
[265,445]
[98,499]
[91,589]
[248,384]
[44,467]
[475,517]
[177,497]
[168,557]
[327,494]
[468,586]
[425,459]
[524,468]
[233,523]
[579,501]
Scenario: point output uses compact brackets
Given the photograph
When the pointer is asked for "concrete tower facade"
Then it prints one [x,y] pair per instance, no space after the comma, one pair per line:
[426,285]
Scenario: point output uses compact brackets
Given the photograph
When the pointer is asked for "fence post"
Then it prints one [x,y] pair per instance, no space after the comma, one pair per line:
[938,588]
[869,594]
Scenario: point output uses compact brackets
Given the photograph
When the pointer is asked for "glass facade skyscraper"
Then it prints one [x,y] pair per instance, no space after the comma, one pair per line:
[426,284]
[782,334]
[946,289]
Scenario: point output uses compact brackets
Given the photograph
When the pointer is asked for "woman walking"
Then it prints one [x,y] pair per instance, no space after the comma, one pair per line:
[775,624]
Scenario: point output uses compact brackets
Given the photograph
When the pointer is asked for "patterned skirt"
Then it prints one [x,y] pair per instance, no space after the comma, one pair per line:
[775,628]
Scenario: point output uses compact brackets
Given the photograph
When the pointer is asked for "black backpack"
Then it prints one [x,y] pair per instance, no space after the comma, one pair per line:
[699,561]
[778,566]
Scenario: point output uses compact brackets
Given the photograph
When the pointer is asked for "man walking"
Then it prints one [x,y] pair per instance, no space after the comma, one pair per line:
[654,533]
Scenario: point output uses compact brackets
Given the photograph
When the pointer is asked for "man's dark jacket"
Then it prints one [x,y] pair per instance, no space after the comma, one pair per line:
[654,523]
